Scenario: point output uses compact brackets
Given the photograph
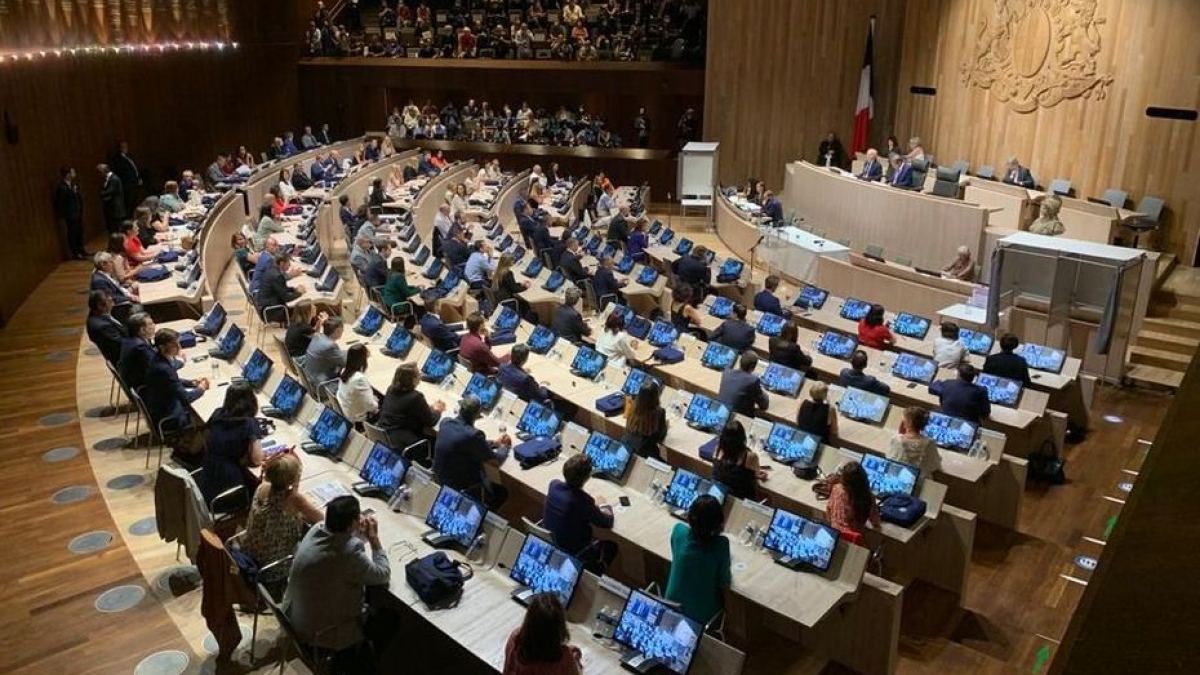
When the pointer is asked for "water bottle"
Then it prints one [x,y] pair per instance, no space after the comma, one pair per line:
[979,450]
[760,536]
[600,628]
[747,535]
[609,619]
[652,490]
[475,554]
[216,370]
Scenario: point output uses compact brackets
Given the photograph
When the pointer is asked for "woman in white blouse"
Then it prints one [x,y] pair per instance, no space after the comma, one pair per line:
[458,200]
[285,185]
[948,350]
[355,396]
[614,343]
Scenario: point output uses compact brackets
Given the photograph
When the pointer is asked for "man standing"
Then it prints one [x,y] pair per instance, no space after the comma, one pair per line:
[462,451]
[687,127]
[112,195]
[641,125]
[68,211]
[127,170]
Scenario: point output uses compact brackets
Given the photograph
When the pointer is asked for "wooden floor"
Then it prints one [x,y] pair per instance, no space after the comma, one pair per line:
[1023,586]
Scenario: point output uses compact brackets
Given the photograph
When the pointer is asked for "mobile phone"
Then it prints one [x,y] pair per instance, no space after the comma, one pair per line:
[624,500]
[368,512]
[198,359]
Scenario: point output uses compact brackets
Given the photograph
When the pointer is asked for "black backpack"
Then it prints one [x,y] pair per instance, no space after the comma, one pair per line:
[437,579]
[1045,466]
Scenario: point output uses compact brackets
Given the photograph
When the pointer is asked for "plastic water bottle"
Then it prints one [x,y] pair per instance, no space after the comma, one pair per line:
[652,490]
[747,536]
[760,536]
[216,370]
[609,619]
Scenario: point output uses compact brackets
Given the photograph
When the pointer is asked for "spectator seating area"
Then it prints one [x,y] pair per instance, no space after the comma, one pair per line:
[472,122]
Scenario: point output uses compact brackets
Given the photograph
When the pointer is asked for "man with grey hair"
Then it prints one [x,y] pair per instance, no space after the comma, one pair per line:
[1015,174]
[571,262]
[568,323]
[360,255]
[103,279]
[461,451]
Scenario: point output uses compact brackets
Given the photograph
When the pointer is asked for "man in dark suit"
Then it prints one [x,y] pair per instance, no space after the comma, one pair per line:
[103,280]
[831,152]
[436,331]
[323,136]
[605,283]
[68,210]
[112,196]
[526,223]
[568,323]
[516,379]
[693,270]
[136,350]
[102,329]
[765,300]
[618,227]
[902,176]
[168,397]
[1005,363]
[376,272]
[542,240]
[872,169]
[855,377]
[349,220]
[734,332]
[740,388]
[455,250]
[462,451]
[126,169]
[273,289]
[571,264]
[772,208]
[1015,174]
[963,398]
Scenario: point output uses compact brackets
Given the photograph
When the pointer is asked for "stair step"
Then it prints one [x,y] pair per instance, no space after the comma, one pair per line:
[1155,377]
[1179,344]
[1159,358]
[1181,312]
[1162,324]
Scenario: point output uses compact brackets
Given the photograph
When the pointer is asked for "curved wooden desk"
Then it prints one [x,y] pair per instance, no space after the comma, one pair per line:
[507,198]
[433,193]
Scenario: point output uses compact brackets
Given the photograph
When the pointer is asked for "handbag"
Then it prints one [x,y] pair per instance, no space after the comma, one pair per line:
[611,405]
[668,355]
[536,451]
[1045,466]
[149,274]
[902,510]
[822,489]
[437,580]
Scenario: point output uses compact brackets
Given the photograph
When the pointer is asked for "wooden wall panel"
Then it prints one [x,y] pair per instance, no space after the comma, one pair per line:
[782,73]
[1151,52]
[175,111]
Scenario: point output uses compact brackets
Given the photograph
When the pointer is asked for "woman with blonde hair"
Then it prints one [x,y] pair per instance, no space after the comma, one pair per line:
[279,515]
[169,200]
[816,416]
[645,421]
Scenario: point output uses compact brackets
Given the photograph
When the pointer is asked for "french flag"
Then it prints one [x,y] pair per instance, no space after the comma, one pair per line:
[864,112]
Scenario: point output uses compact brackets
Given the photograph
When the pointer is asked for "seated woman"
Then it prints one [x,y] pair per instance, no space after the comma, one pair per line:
[638,242]
[244,157]
[851,505]
[123,271]
[962,268]
[684,316]
[405,414]
[286,189]
[816,416]
[396,178]
[948,350]
[169,201]
[476,347]
[306,321]
[700,561]
[396,290]
[911,447]
[135,251]
[735,465]
[457,200]
[614,343]
[439,161]
[355,396]
[541,646]
[785,349]
[267,226]
[504,282]
[246,257]
[150,229]
[645,421]
[279,516]
[873,332]
[232,450]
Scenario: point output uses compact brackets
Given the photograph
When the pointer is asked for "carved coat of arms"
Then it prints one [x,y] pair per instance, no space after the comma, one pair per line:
[1035,53]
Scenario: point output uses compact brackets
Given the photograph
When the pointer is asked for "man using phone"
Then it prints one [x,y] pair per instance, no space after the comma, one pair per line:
[571,513]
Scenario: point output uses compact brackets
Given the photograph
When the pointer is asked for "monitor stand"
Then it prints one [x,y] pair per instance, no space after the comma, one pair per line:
[523,594]
[639,663]
[437,539]
[366,489]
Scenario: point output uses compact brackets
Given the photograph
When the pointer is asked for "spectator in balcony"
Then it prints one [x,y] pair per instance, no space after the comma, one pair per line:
[537,14]
[467,44]
[522,38]
[587,51]
[687,127]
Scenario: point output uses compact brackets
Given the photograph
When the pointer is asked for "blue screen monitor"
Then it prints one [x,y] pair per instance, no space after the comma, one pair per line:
[782,380]
[717,356]
[456,515]
[434,270]
[518,253]
[593,244]
[863,405]
[507,321]
[330,431]
[370,322]
[638,327]
[505,242]
[854,309]
[1040,357]
[212,322]
[588,363]
[1001,390]
[731,268]
[635,381]
[647,276]
[888,477]
[288,396]
[801,541]
[608,251]
[787,444]
[541,340]
[483,388]
[811,297]
[399,342]
[707,414]
[554,281]
[610,458]
[686,486]
[544,568]
[721,307]
[684,246]
[911,325]
[976,342]
[625,265]
[837,345]
[437,366]
[914,368]
[231,342]
[949,432]
[450,281]
[666,237]
[771,325]
[534,268]
[655,227]
[384,470]
[538,420]
[627,313]
[256,370]
[656,632]
[662,334]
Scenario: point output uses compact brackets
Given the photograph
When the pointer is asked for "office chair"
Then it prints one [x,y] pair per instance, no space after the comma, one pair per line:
[1114,198]
[962,166]
[987,172]
[1061,186]
[873,251]
[1145,224]
[946,182]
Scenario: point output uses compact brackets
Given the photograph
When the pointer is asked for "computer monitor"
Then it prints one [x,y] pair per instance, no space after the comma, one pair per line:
[287,397]
[618,308]
[554,281]
[717,356]
[329,432]
[647,276]
[505,242]
[888,477]
[625,264]
[542,567]
[1001,390]
[914,368]
[593,244]
[370,322]
[483,388]
[456,516]
[256,369]
[1041,357]
[910,325]
[770,324]
[434,270]
[638,327]
[782,380]
[231,342]
[949,432]
[807,542]
[787,444]
[518,253]
[730,268]
[686,486]
[811,297]
[863,405]
[534,267]
[721,307]
[976,342]
[538,420]
[212,322]
[666,237]
[610,458]
[837,345]
[450,281]
[854,309]
[437,366]
[706,414]
[662,334]
[588,363]
[636,379]
[399,342]
[652,630]
[541,340]
[384,470]
[684,246]
[507,320]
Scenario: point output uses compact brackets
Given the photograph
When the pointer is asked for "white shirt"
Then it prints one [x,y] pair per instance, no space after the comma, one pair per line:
[443,223]
[616,347]
[356,398]
[948,353]
[287,191]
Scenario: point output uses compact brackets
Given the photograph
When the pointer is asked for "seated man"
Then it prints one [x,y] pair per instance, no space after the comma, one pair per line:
[137,350]
[765,300]
[571,513]
[324,359]
[326,589]
[480,266]
[962,397]
[102,329]
[167,397]
[273,289]
[360,255]
[346,214]
[1015,174]
[902,176]
[103,279]
[772,208]
[375,275]
[568,323]
[1006,363]
[694,271]
[605,283]
[618,227]
[462,451]
[872,169]
[855,377]
[476,349]
[734,332]
[436,331]
[456,250]
[962,268]
[516,379]
[741,389]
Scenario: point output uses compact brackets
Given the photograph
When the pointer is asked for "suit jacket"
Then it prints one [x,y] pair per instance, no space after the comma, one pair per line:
[569,325]
[300,181]
[1006,364]
[113,196]
[903,177]
[735,334]
[316,172]
[959,398]
[324,359]
[618,229]
[572,267]
[850,378]
[521,383]
[166,395]
[773,209]
[871,171]
[107,334]
[456,252]
[1021,176]
[323,137]
[134,361]
[542,238]
[765,301]
[527,226]
[742,392]
[375,274]
[126,170]
[693,271]
[103,282]
[438,333]
[68,204]
[273,289]
[605,283]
